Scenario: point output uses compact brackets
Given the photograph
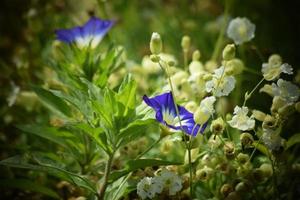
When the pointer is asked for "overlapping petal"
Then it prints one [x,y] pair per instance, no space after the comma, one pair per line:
[91,33]
[166,114]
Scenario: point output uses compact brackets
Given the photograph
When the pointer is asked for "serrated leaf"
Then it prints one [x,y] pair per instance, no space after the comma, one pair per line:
[28,185]
[53,102]
[133,165]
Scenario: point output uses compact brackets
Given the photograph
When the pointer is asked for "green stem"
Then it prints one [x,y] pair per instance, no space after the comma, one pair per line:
[177,113]
[185,59]
[219,43]
[249,95]
[106,176]
[255,147]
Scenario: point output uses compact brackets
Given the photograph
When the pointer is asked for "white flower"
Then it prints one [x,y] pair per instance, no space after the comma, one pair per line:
[272,71]
[240,30]
[240,120]
[148,187]
[171,181]
[221,84]
[205,111]
[286,90]
[11,99]
[272,140]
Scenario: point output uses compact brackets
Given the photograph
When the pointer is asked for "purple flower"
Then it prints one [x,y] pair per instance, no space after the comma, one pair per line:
[166,114]
[91,33]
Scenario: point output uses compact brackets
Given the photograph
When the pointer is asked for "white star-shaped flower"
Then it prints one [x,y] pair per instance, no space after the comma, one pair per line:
[240,120]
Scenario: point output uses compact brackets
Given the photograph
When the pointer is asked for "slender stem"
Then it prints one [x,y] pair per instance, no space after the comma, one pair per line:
[106,176]
[185,59]
[255,147]
[220,39]
[177,113]
[249,95]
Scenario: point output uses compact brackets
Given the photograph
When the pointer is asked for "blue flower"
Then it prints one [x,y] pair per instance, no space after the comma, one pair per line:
[166,114]
[91,33]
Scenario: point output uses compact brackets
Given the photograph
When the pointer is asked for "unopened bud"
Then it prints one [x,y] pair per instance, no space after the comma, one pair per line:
[204,173]
[259,115]
[242,158]
[217,126]
[233,196]
[229,52]
[171,63]
[277,103]
[269,122]
[235,66]
[242,187]
[229,150]
[246,139]
[185,43]
[155,44]
[196,55]
[266,169]
[226,189]
[154,58]
[191,106]
[275,59]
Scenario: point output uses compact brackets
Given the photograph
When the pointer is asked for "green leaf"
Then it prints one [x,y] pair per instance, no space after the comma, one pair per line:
[48,166]
[52,134]
[53,102]
[97,134]
[294,139]
[134,130]
[133,165]
[262,148]
[28,185]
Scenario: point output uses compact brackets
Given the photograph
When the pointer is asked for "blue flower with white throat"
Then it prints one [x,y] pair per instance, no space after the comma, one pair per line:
[165,109]
[88,35]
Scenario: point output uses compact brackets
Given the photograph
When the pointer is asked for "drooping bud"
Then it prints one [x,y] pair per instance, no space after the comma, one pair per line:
[259,115]
[185,43]
[229,52]
[217,126]
[155,44]
[246,139]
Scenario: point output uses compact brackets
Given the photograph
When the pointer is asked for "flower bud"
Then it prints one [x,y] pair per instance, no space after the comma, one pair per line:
[217,126]
[266,169]
[242,158]
[277,103]
[171,63]
[258,175]
[275,59]
[185,43]
[204,174]
[164,131]
[191,106]
[200,117]
[154,58]
[259,115]
[229,150]
[242,187]
[244,171]
[233,196]
[196,55]
[207,77]
[270,122]
[235,66]
[267,88]
[155,44]
[211,65]
[246,139]
[166,147]
[229,52]
[226,189]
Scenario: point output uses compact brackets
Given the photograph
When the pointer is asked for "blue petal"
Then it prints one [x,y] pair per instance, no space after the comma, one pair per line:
[165,102]
[95,27]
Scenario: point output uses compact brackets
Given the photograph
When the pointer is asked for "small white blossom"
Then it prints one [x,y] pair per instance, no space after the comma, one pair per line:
[205,110]
[240,120]
[148,187]
[11,99]
[272,71]
[171,181]
[271,139]
[286,90]
[221,84]
[240,30]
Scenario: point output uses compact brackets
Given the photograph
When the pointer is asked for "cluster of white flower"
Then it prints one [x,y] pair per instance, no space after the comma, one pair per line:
[148,187]
[220,84]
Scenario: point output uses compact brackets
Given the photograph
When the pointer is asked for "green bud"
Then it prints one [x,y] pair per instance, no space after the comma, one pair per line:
[277,103]
[233,196]
[164,131]
[229,52]
[228,116]
[217,126]
[266,169]
[204,174]
[196,55]
[226,189]
[185,43]
[229,149]
[234,66]
[155,44]
[242,187]
[246,139]
[270,122]
[154,58]
[242,158]
[171,63]
[259,115]
[191,106]
[258,175]
[207,77]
